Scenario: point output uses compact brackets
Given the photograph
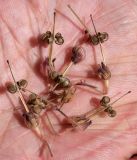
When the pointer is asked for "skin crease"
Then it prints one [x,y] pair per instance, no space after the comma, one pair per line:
[21,22]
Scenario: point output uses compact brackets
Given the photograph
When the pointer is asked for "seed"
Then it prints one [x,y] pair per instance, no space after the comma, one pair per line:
[104,100]
[12,88]
[31,120]
[104,72]
[22,83]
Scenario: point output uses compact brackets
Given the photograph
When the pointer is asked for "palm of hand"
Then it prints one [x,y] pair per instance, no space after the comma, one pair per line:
[106,136]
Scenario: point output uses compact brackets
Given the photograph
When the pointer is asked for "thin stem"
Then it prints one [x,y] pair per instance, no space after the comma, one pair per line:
[20,94]
[90,114]
[120,97]
[93,24]
[39,132]
[78,18]
[50,124]
[71,120]
[106,84]
[24,89]
[51,45]
[62,111]
[88,85]
[66,69]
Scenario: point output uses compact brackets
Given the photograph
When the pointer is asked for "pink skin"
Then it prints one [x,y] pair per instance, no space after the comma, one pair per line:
[108,138]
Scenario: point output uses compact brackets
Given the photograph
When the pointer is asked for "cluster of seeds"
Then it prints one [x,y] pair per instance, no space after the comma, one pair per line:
[61,88]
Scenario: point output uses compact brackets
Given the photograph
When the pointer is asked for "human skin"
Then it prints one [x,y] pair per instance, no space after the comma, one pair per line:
[21,22]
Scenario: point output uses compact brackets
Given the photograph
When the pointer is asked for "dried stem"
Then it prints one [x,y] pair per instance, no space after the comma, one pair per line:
[78,18]
[83,83]
[51,45]
[51,124]
[39,132]
[67,68]
[106,86]
[120,97]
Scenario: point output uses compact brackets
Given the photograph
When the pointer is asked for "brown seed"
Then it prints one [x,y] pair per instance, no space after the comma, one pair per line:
[105,100]
[98,38]
[36,101]
[109,108]
[78,54]
[22,83]
[59,39]
[104,72]
[112,113]
[35,109]
[47,37]
[12,88]
[32,96]
[53,75]
[30,120]
[63,81]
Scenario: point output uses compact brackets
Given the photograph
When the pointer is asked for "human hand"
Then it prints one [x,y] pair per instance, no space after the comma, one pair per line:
[108,138]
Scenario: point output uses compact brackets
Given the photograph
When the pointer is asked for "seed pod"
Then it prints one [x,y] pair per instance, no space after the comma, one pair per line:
[47,37]
[98,38]
[104,72]
[104,101]
[59,39]
[109,108]
[30,120]
[41,102]
[32,99]
[12,88]
[63,81]
[53,75]
[112,113]
[22,84]
[78,54]
[32,96]
[35,109]
[36,101]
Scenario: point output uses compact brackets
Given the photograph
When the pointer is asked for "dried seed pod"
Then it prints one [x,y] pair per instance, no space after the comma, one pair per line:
[112,113]
[103,36]
[108,108]
[42,103]
[35,109]
[104,72]
[104,101]
[32,100]
[98,38]
[22,83]
[36,101]
[32,96]
[59,39]
[78,54]
[12,88]
[63,81]
[53,75]
[47,37]
[30,120]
